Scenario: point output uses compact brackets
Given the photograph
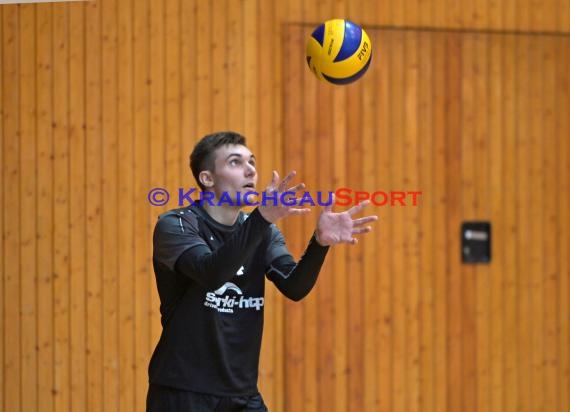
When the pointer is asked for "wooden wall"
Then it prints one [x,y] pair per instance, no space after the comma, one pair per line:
[474,121]
[466,101]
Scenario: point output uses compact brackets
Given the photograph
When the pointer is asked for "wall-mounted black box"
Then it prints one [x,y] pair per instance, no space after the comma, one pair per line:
[476,242]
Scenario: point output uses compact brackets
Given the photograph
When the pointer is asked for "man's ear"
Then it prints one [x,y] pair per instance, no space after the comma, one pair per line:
[206,178]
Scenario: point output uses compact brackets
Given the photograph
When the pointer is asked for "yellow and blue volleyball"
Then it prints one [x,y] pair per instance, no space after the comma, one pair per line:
[339,51]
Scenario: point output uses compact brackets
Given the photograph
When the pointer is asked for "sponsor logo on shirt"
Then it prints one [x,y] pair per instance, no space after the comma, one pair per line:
[228,286]
[230,297]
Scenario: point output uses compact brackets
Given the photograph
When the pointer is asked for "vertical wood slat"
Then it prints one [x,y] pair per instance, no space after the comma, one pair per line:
[426,268]
[316,394]
[551,279]
[44,148]
[326,361]
[324,295]
[94,239]
[309,174]
[257,122]
[109,201]
[339,257]
[453,284]
[411,12]
[62,375]
[523,304]
[188,104]
[397,128]
[563,161]
[292,315]
[439,213]
[143,280]
[241,68]
[271,148]
[385,310]
[294,393]
[482,14]
[481,157]
[2,237]
[157,116]
[77,227]
[455,15]
[411,247]
[204,82]
[535,262]
[355,332]
[217,40]
[562,172]
[495,14]
[332,329]
[563,15]
[338,135]
[510,194]
[172,104]
[28,160]
[11,215]
[370,315]
[496,194]
[126,267]
[467,290]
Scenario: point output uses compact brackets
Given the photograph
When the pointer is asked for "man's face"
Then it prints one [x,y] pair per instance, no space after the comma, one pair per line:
[234,171]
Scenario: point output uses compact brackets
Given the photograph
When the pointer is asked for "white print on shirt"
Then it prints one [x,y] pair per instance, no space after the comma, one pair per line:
[240,271]
[228,286]
[226,303]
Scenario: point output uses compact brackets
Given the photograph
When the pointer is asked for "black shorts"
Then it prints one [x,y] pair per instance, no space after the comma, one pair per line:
[165,399]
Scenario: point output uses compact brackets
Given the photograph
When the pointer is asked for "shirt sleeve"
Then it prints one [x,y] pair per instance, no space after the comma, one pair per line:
[174,233]
[213,268]
[294,279]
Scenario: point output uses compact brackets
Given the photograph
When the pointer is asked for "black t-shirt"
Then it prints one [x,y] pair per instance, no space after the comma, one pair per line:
[211,282]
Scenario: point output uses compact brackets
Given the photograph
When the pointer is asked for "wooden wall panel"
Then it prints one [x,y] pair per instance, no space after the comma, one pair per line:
[439,236]
[12,333]
[77,209]
[125,199]
[2,269]
[562,175]
[308,353]
[509,190]
[44,257]
[468,102]
[61,221]
[494,105]
[496,192]
[93,200]
[141,210]
[27,190]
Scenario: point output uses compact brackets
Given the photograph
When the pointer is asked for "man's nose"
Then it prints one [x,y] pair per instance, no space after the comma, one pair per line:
[250,170]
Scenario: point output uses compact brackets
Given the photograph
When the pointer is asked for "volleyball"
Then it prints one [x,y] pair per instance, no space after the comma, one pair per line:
[339,51]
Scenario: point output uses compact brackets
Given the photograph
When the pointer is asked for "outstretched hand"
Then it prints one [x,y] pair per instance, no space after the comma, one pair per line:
[274,210]
[334,228]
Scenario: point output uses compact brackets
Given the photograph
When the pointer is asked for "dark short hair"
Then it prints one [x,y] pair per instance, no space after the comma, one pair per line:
[202,157]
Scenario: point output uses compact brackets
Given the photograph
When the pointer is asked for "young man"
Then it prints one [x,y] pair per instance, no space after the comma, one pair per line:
[210,262]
